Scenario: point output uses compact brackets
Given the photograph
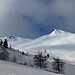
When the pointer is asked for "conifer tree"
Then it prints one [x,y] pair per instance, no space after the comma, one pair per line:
[14,57]
[40,61]
[58,66]
[1,42]
[5,43]
[4,55]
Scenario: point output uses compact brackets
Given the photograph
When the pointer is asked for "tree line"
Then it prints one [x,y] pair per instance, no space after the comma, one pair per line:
[41,61]
[4,43]
[4,55]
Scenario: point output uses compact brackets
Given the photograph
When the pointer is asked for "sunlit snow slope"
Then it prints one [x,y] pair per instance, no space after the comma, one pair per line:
[59,43]
[9,68]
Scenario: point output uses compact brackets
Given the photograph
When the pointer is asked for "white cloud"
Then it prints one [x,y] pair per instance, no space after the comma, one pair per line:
[16,14]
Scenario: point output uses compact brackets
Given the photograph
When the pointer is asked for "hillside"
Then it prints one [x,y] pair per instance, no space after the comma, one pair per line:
[9,68]
[59,43]
[24,65]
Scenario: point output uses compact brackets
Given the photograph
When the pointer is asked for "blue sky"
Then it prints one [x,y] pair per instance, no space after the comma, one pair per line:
[34,18]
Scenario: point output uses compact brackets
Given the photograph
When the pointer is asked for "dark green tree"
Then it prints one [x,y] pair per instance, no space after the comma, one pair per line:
[14,56]
[23,53]
[4,55]
[40,61]
[58,66]
[5,44]
[1,42]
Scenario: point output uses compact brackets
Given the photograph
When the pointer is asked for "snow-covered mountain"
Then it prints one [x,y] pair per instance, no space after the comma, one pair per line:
[59,43]
[56,38]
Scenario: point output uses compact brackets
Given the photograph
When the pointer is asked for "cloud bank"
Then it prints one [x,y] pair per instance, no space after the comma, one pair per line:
[32,18]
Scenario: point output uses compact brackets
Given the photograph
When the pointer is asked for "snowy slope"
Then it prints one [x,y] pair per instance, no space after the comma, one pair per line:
[14,41]
[58,43]
[56,38]
[9,68]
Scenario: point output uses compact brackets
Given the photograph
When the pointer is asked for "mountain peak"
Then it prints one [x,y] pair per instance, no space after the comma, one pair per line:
[59,32]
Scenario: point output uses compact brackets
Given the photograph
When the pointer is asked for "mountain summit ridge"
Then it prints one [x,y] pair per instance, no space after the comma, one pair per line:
[60,32]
